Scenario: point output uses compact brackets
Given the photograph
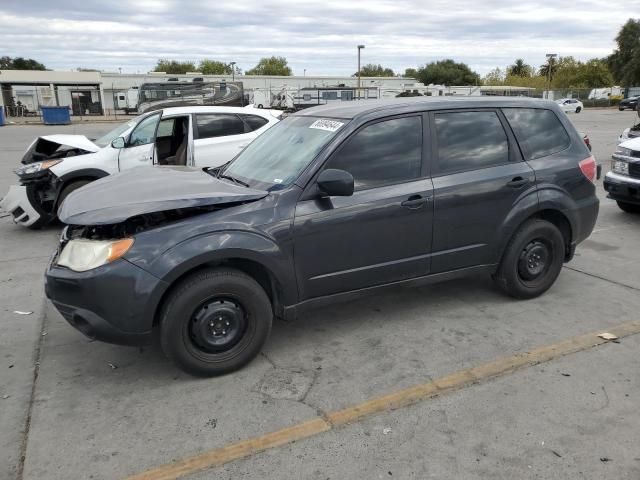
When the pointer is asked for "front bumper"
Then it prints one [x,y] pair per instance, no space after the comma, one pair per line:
[622,188]
[18,204]
[114,303]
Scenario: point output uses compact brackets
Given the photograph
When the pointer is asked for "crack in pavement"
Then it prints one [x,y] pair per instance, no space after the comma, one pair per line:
[37,355]
[620,284]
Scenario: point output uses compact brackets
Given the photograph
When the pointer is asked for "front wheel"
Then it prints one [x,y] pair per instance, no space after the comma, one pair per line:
[621,108]
[629,207]
[215,321]
[532,260]
[578,110]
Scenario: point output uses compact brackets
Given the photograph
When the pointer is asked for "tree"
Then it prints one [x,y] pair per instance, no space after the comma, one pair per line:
[520,69]
[174,67]
[448,72]
[20,63]
[624,63]
[371,70]
[494,77]
[411,73]
[551,65]
[214,67]
[271,66]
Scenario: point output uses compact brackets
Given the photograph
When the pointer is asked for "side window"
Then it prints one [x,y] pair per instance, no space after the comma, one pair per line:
[254,121]
[469,141]
[219,125]
[165,129]
[383,153]
[145,132]
[539,132]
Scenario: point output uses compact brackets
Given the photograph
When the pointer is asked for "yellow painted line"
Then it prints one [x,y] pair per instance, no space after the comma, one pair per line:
[401,398]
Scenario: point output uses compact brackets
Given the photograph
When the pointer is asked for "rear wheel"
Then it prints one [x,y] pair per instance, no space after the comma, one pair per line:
[629,207]
[578,110]
[215,322]
[532,261]
[621,108]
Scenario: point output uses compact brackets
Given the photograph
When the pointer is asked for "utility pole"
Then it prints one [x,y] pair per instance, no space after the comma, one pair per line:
[550,57]
[233,71]
[360,47]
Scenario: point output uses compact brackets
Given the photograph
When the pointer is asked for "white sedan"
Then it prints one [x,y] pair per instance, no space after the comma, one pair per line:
[201,136]
[572,105]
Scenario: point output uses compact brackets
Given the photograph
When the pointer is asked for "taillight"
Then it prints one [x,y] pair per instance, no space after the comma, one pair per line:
[588,168]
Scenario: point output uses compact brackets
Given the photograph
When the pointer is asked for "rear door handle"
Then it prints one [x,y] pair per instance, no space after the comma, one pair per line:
[415,201]
[517,182]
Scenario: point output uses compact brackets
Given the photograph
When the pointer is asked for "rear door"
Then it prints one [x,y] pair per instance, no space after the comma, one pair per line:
[218,137]
[478,175]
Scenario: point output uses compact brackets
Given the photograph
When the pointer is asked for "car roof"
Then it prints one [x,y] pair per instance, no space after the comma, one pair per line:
[357,108]
[216,109]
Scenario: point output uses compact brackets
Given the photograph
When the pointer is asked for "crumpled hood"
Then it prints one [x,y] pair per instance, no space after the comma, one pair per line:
[75,141]
[631,144]
[115,198]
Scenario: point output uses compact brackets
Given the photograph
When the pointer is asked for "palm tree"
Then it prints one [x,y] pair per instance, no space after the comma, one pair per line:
[551,65]
[519,69]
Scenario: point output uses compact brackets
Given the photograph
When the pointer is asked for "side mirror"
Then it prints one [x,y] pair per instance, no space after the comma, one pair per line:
[118,142]
[335,183]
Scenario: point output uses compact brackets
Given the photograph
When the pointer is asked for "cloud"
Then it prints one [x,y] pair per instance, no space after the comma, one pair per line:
[320,37]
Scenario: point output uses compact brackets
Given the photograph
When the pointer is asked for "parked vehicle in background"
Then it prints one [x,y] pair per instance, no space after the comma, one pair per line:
[331,203]
[605,93]
[128,100]
[622,183]
[570,105]
[154,96]
[631,103]
[56,165]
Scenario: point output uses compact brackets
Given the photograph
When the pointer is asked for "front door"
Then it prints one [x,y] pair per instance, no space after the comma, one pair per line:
[140,148]
[382,233]
[478,175]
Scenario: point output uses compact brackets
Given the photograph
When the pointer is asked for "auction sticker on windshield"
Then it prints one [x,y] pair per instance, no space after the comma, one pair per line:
[328,125]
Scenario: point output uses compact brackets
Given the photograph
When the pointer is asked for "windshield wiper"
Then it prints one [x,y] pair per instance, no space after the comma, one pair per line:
[235,180]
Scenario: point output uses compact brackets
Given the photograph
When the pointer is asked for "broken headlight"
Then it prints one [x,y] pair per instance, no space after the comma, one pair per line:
[36,167]
[81,255]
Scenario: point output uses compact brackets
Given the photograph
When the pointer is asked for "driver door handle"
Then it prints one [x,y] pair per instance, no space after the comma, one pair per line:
[415,201]
[518,182]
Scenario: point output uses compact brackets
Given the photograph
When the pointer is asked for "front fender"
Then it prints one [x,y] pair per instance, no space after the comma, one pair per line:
[216,247]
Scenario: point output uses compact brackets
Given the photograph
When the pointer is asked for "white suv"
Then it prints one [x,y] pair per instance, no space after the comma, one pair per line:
[56,165]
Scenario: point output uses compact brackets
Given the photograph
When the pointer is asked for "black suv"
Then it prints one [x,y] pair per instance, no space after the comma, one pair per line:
[330,203]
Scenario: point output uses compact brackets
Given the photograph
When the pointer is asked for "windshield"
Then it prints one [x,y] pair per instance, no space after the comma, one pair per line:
[276,158]
[116,132]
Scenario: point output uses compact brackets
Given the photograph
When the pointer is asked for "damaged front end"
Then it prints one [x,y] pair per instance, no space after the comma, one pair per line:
[53,147]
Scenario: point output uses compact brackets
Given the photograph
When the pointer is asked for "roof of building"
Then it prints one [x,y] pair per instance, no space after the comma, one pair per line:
[349,110]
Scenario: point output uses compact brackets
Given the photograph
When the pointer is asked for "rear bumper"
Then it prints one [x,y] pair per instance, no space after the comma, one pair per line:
[18,204]
[114,303]
[622,188]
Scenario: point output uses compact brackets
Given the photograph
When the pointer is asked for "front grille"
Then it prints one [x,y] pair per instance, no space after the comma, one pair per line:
[634,170]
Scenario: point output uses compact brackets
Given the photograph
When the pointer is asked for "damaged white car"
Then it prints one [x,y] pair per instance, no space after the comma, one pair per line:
[56,165]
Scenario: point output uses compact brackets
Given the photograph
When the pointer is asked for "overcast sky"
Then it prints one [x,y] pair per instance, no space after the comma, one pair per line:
[319,36]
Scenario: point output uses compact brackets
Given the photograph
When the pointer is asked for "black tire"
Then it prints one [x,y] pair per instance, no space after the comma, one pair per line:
[628,207]
[532,260]
[578,110]
[70,188]
[621,109]
[207,300]
[45,216]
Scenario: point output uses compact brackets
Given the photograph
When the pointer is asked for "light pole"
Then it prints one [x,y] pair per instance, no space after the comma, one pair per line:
[304,72]
[360,47]
[550,57]
[233,71]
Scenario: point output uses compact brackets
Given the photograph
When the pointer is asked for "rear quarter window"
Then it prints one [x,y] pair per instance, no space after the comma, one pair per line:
[538,131]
